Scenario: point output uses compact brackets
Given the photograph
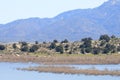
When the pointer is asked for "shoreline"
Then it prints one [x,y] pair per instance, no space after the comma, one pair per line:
[62,59]
[65,59]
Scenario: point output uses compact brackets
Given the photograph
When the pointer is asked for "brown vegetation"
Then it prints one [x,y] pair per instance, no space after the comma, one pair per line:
[62,58]
[71,70]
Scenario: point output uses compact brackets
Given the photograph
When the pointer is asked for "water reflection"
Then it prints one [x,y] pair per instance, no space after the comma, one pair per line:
[8,72]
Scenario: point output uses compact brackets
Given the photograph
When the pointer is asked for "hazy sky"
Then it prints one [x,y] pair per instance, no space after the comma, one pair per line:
[20,9]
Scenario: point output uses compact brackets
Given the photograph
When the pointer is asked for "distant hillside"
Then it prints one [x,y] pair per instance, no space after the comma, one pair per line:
[72,25]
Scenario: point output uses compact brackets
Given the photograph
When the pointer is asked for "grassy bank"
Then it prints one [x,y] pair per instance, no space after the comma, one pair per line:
[62,58]
[70,70]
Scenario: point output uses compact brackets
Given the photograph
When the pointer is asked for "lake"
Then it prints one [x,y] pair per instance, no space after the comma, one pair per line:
[8,71]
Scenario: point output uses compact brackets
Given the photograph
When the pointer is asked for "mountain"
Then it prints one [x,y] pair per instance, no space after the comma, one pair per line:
[72,25]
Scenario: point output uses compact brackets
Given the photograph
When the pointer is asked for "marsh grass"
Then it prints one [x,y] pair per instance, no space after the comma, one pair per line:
[62,58]
[72,70]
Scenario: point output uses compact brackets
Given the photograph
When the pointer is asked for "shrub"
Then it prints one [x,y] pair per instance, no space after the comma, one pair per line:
[82,50]
[24,43]
[24,49]
[105,37]
[52,46]
[66,47]
[59,49]
[2,47]
[34,48]
[118,48]
[96,50]
[14,46]
[65,41]
[88,50]
[36,42]
[55,41]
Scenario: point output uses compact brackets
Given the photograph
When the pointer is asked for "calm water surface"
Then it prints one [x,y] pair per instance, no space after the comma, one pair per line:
[8,72]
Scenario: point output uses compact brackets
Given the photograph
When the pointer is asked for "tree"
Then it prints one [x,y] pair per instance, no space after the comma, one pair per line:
[59,49]
[109,48]
[24,43]
[2,47]
[65,41]
[87,42]
[14,46]
[113,36]
[102,43]
[52,46]
[104,37]
[34,48]
[86,47]
[55,41]
[96,50]
[118,48]
[36,42]
[24,49]
[88,50]
[82,50]
[66,47]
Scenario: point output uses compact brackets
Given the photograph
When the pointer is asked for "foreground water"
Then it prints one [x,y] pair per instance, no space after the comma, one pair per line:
[8,72]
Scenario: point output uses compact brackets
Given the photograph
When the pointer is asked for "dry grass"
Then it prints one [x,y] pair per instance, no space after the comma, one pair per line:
[70,70]
[62,59]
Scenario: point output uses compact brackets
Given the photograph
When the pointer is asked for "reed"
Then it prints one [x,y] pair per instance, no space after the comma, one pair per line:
[62,59]
[71,70]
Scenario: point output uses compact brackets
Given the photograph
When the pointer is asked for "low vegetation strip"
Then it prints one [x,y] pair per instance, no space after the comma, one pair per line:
[72,70]
[62,58]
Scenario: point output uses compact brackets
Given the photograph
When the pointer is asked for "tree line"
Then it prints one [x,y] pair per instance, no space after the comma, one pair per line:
[105,45]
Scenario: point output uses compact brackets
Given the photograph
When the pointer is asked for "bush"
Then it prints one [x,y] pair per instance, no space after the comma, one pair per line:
[59,49]
[34,48]
[52,46]
[88,50]
[102,43]
[2,47]
[55,41]
[96,50]
[14,46]
[105,37]
[36,42]
[109,48]
[82,50]
[24,49]
[118,48]
[24,43]
[87,43]
[65,41]
[66,47]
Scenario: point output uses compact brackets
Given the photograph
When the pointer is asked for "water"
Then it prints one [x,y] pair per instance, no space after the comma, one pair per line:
[98,67]
[8,72]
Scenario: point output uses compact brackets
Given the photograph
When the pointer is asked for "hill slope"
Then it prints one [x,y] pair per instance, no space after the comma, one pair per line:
[72,25]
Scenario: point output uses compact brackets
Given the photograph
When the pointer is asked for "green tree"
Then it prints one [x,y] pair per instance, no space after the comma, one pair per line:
[118,48]
[24,48]
[104,37]
[59,49]
[24,43]
[2,47]
[66,47]
[36,42]
[14,46]
[96,50]
[55,41]
[65,41]
[52,46]
[109,48]
[34,48]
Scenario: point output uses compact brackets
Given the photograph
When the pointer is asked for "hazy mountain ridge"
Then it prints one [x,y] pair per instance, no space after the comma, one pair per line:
[72,25]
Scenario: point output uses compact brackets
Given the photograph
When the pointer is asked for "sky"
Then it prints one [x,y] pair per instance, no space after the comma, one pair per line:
[11,10]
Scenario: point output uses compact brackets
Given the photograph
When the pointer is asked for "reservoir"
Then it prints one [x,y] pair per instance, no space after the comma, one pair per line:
[8,71]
